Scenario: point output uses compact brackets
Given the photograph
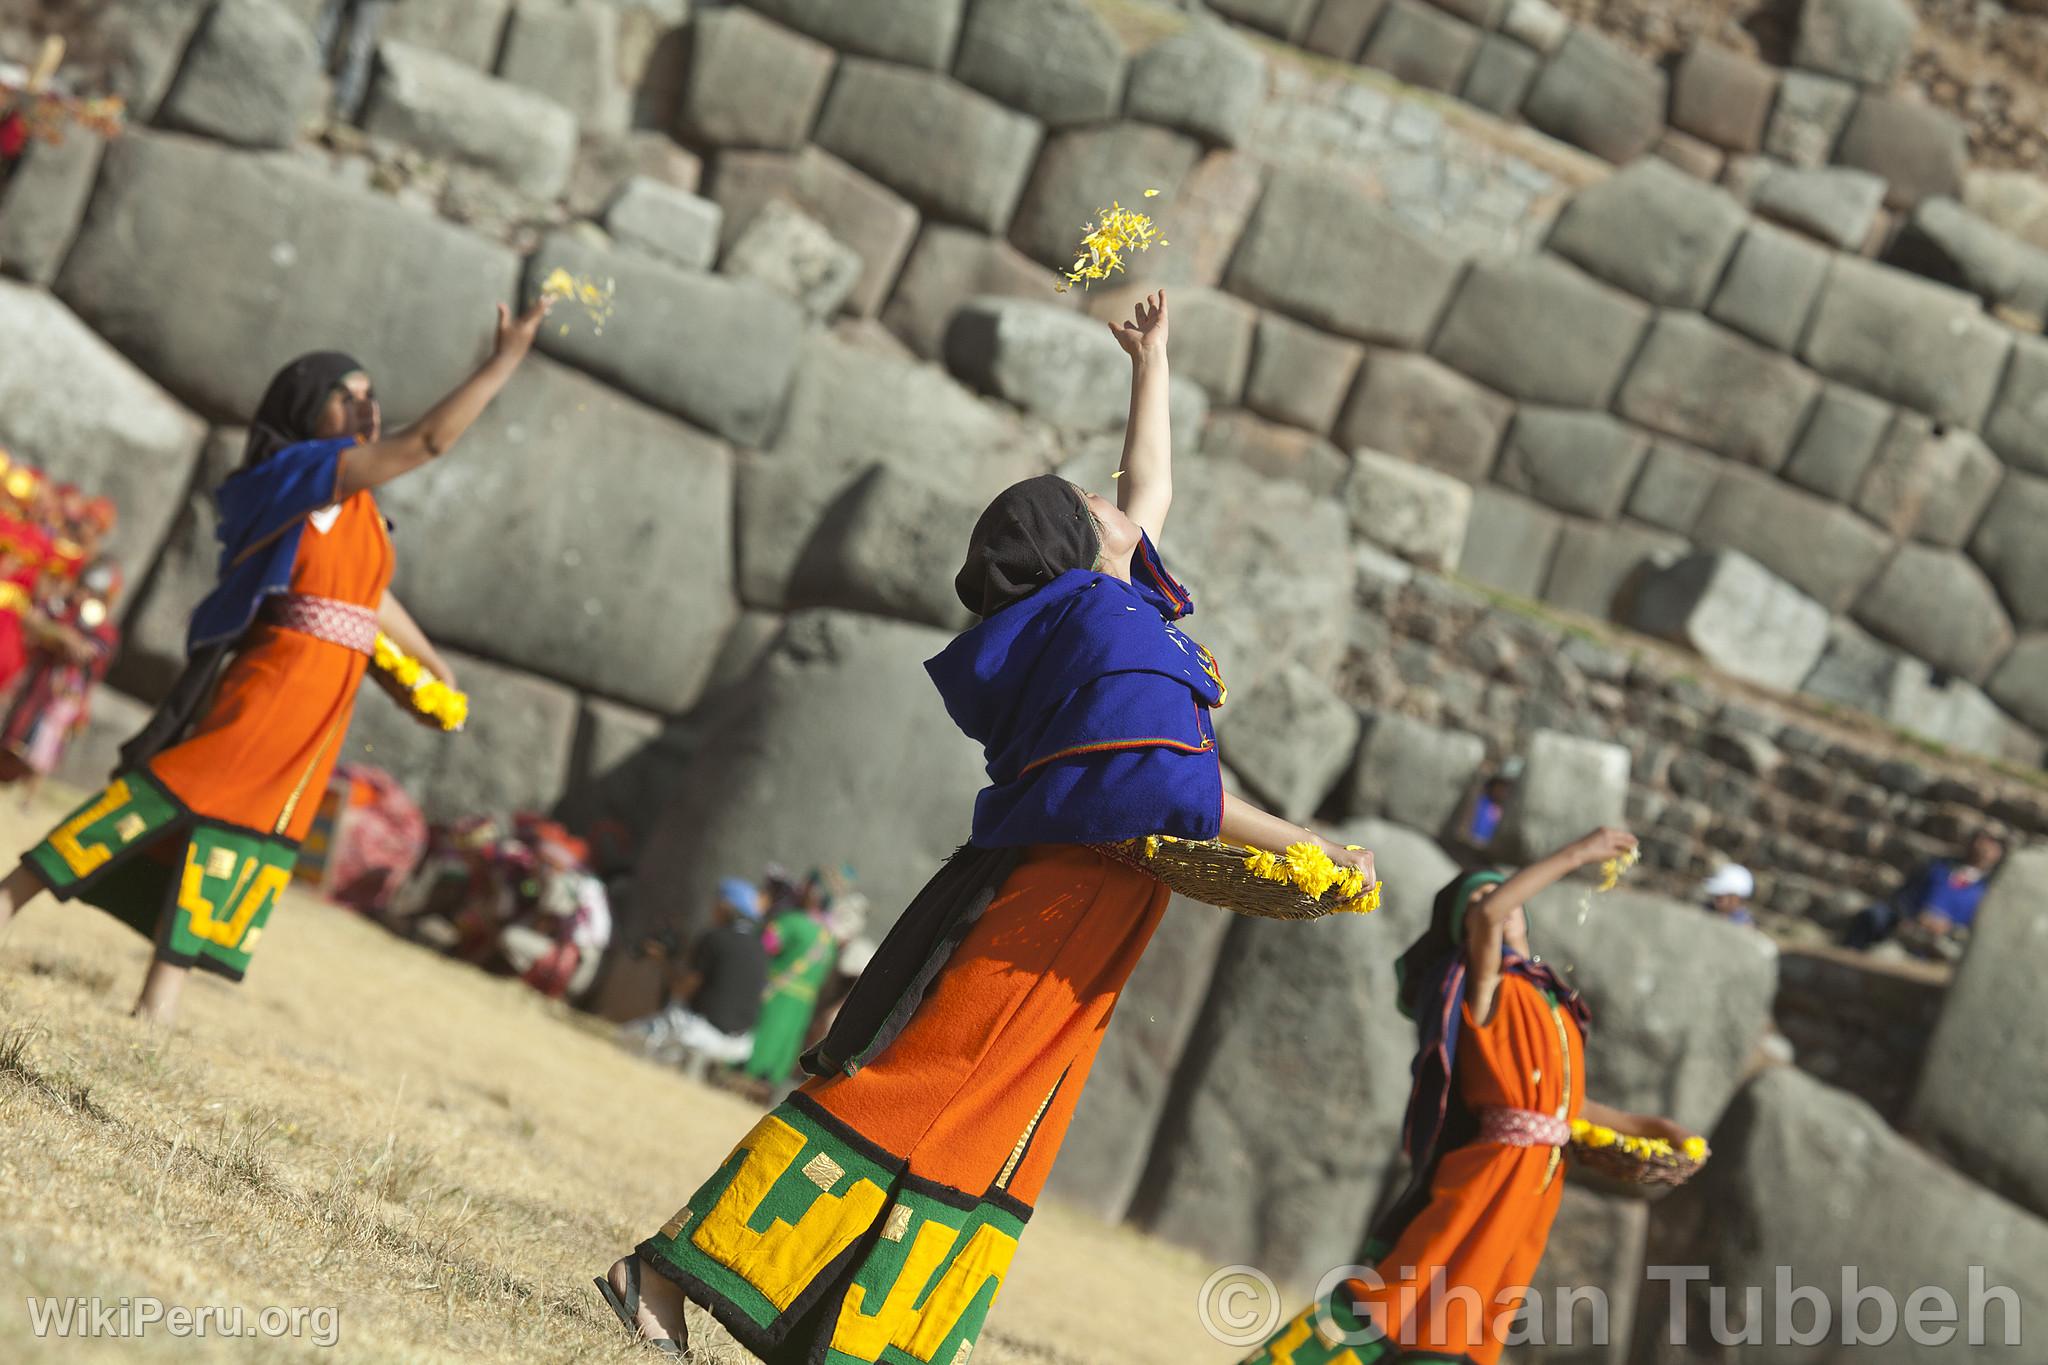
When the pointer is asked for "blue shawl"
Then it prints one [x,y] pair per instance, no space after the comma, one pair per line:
[263,510]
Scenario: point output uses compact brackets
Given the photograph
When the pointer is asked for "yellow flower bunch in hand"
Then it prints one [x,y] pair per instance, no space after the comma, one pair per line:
[408,681]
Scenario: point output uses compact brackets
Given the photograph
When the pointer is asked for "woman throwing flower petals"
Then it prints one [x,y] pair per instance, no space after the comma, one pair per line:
[197,835]
[872,1215]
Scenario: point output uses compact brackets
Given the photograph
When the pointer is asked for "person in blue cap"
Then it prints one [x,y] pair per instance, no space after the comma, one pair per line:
[714,994]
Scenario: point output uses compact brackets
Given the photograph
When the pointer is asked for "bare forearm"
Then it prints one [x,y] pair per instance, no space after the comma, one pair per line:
[1244,823]
[379,462]
[1145,490]
[397,622]
[1520,889]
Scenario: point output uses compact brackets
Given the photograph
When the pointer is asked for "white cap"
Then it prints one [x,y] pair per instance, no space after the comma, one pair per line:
[1730,879]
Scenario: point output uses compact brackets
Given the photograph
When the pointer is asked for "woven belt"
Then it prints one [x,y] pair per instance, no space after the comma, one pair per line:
[324,618]
[1522,1128]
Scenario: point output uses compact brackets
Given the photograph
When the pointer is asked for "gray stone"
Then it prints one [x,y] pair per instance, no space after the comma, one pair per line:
[1854,669]
[1291,1194]
[1698,158]
[890,546]
[170,210]
[1411,509]
[1509,542]
[446,109]
[716,351]
[872,219]
[1412,773]
[1737,615]
[604,491]
[513,755]
[1808,118]
[568,50]
[1057,60]
[1598,567]
[1866,41]
[1288,19]
[914,32]
[1673,489]
[1927,486]
[1827,552]
[1484,14]
[1068,187]
[1204,80]
[159,606]
[471,31]
[1324,252]
[2020,684]
[795,255]
[1054,364]
[1290,737]
[1420,409]
[2010,546]
[605,164]
[2018,428]
[1597,1239]
[1782,1207]
[1920,344]
[1920,151]
[94,752]
[1834,203]
[663,221]
[1537,23]
[1653,230]
[1955,714]
[1770,287]
[1569,785]
[1945,241]
[1275,451]
[752,83]
[1937,605]
[1705,384]
[626,764]
[953,152]
[71,406]
[1723,97]
[251,76]
[1505,321]
[948,266]
[1576,461]
[1340,27]
[1597,96]
[1212,337]
[1500,77]
[1841,439]
[1299,375]
[1421,45]
[42,203]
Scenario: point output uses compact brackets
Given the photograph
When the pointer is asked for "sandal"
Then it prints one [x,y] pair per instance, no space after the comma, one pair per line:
[628,1308]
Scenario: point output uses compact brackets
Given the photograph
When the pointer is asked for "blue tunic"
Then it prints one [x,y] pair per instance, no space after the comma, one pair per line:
[263,511]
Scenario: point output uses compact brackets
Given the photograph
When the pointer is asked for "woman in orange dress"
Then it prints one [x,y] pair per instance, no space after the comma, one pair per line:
[196,836]
[1499,1077]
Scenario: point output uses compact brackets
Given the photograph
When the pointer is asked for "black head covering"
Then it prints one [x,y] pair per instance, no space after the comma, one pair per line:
[1031,534]
[292,404]
[1444,938]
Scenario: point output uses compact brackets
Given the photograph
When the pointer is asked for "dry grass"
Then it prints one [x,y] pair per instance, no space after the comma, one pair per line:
[444,1157]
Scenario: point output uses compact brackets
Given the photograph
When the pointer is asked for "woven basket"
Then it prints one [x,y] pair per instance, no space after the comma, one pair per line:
[1213,872]
[1628,1169]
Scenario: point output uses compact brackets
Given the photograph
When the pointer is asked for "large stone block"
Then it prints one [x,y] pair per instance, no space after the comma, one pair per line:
[1597,96]
[949,266]
[2010,546]
[1069,185]
[1509,542]
[1538,23]
[1056,365]
[1412,773]
[1299,375]
[716,351]
[1841,439]
[1212,336]
[1340,27]
[412,297]
[604,165]
[1927,486]
[1808,118]
[42,204]
[73,407]
[251,77]
[1275,451]
[569,50]
[1920,151]
[874,220]
[1866,41]
[1420,409]
[1937,605]
[1293,1194]
[1945,241]
[1837,204]
[889,546]
[920,33]
[1204,80]
[1673,489]
[1323,251]
[1057,60]
[1501,75]
[1576,461]
[1599,566]
[1956,714]
[1421,45]
[665,222]
[1569,785]
[1781,1209]
[951,151]
[2020,684]
[1739,616]
[1536,329]
[2018,427]
[1290,737]
[446,109]
[595,490]
[1417,512]
[94,753]
[1770,287]
[794,254]
[471,31]
[1826,551]
[1597,1239]
[1288,19]
[1653,230]
[1920,344]
[1705,384]
[1722,96]
[752,82]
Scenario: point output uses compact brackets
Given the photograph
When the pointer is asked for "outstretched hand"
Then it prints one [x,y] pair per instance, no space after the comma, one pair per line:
[515,335]
[1144,336]
[1343,855]
[1601,845]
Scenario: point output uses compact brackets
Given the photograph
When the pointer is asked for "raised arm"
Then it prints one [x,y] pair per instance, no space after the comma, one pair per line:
[1486,923]
[1145,488]
[379,461]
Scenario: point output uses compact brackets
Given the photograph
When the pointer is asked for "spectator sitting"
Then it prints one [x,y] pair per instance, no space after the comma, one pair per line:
[1727,893]
[1487,809]
[1939,901]
[714,999]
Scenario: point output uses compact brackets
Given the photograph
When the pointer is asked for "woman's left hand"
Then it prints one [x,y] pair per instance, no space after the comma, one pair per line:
[1144,336]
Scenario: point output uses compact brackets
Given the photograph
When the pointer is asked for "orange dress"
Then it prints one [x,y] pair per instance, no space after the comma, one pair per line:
[196,846]
[1488,1216]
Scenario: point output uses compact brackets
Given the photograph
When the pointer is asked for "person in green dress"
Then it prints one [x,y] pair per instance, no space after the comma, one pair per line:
[803,953]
